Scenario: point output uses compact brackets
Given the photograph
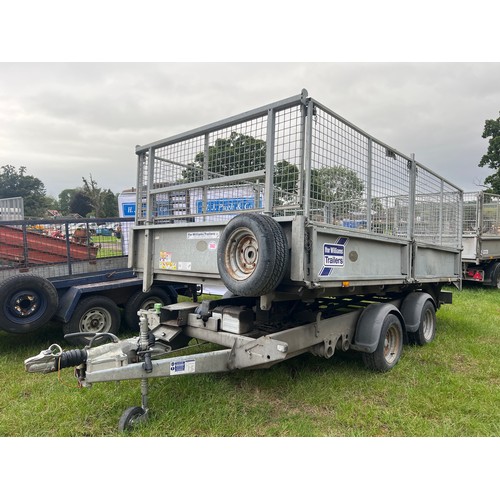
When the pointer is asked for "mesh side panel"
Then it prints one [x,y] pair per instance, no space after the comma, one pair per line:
[437,210]
[491,214]
[470,213]
[338,172]
[218,156]
[288,162]
[390,188]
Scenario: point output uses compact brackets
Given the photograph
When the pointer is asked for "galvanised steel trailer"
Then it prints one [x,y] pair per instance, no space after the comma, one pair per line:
[481,238]
[325,238]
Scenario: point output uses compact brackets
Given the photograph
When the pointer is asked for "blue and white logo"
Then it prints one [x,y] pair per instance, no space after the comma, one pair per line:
[227,205]
[333,256]
[128,209]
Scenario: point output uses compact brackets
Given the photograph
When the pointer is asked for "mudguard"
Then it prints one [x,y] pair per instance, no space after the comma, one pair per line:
[411,309]
[369,326]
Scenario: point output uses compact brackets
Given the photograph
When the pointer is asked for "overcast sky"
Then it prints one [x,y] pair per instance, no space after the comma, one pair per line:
[65,121]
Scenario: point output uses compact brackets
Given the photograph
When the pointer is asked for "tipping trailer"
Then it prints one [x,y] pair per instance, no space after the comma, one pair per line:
[324,237]
[481,238]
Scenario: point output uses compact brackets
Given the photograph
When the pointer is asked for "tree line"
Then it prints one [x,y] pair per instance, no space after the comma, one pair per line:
[87,200]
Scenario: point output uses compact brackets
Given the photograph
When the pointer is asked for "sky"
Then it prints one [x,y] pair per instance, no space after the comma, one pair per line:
[422,79]
[65,121]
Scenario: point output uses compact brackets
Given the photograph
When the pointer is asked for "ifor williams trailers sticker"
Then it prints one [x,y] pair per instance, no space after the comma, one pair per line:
[333,256]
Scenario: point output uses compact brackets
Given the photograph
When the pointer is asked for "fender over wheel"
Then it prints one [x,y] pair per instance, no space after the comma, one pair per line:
[389,347]
[427,327]
[419,312]
[252,255]
[26,303]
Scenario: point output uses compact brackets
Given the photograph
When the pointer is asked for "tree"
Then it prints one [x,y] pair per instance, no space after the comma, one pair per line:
[236,154]
[239,153]
[109,203]
[104,203]
[492,157]
[286,183]
[14,182]
[337,186]
[80,204]
[65,198]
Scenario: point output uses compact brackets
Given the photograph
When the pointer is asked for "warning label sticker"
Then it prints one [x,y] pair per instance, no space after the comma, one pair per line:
[333,256]
[182,367]
[166,261]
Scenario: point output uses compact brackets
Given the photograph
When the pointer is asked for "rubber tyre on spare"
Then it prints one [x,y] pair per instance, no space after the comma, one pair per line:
[144,300]
[26,303]
[94,314]
[389,348]
[252,255]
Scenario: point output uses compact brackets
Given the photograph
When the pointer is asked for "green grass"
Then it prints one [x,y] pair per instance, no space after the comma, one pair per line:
[109,246]
[447,388]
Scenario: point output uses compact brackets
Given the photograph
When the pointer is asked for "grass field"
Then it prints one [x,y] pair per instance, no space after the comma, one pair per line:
[109,246]
[447,388]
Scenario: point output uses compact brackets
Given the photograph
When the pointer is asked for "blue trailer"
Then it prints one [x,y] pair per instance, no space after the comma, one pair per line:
[87,292]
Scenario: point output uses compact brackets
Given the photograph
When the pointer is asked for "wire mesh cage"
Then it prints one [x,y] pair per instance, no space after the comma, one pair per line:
[295,157]
[55,247]
[481,214]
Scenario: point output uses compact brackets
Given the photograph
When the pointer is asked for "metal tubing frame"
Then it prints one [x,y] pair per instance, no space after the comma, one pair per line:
[235,120]
[300,339]
[308,108]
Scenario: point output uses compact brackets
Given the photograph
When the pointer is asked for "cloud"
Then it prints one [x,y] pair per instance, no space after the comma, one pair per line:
[68,120]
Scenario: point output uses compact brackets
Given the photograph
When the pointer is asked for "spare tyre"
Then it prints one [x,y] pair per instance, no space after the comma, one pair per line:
[27,302]
[252,255]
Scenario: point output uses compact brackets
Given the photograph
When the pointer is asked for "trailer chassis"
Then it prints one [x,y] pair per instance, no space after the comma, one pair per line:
[376,326]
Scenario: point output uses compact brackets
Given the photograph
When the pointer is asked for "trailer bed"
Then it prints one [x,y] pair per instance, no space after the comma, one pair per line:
[355,212]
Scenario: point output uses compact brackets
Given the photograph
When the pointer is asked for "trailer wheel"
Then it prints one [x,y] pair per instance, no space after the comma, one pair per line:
[389,347]
[26,303]
[427,328]
[252,256]
[94,314]
[144,300]
[131,417]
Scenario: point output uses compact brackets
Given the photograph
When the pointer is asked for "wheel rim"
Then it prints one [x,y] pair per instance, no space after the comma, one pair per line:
[150,302]
[136,417]
[242,254]
[25,304]
[96,320]
[428,325]
[392,343]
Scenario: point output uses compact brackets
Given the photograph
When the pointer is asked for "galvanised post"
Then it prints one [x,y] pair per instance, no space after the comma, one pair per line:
[268,181]
[369,187]
[308,158]
[441,202]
